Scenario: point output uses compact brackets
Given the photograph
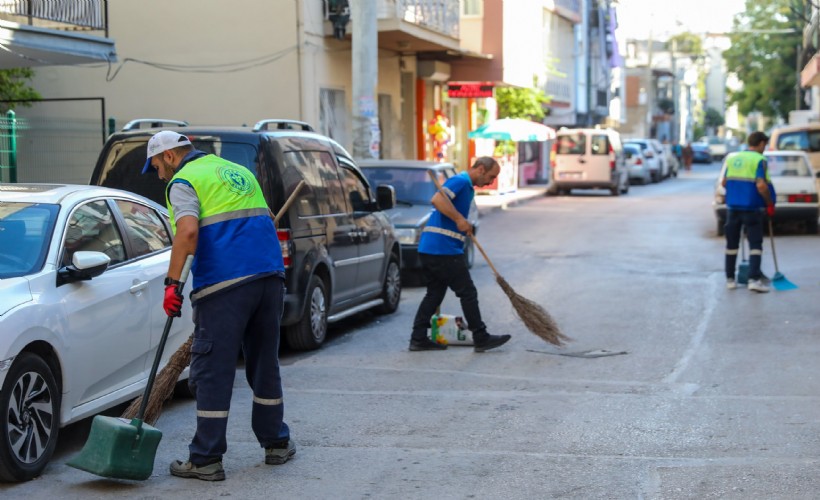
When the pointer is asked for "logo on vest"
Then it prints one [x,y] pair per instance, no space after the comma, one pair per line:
[236,180]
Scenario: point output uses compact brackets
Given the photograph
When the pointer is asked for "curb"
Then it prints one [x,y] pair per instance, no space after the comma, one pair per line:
[496,203]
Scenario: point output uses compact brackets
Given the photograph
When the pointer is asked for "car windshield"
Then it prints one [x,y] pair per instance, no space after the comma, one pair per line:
[788,166]
[412,185]
[799,141]
[25,231]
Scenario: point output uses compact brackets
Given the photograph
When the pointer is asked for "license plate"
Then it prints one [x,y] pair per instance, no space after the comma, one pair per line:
[569,175]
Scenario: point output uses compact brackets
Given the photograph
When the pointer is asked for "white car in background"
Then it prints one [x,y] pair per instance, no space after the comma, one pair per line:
[81,292]
[637,164]
[795,183]
[651,157]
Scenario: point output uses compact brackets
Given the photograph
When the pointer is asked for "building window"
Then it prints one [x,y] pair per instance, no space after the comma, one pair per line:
[333,115]
[471,7]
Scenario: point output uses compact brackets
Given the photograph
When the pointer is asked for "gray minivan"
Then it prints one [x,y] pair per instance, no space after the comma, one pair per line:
[588,158]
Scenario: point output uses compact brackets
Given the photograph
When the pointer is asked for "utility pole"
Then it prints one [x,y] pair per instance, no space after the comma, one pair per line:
[650,90]
[365,79]
[675,97]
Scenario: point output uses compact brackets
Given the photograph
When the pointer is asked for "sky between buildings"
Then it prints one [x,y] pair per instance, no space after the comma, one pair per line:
[668,17]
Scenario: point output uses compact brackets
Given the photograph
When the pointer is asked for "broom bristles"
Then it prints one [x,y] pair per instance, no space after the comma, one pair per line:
[164,384]
[535,318]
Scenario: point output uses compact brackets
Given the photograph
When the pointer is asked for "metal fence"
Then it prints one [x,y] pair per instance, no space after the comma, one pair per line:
[437,15]
[88,14]
[39,146]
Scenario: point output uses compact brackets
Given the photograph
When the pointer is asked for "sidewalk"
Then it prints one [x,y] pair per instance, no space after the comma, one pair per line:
[488,203]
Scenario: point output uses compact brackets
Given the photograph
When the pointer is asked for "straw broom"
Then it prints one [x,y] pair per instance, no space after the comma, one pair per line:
[535,318]
[168,377]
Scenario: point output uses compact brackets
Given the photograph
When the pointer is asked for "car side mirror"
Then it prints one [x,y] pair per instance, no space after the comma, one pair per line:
[385,197]
[84,266]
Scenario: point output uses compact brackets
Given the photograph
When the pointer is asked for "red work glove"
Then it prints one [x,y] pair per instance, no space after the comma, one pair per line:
[770,210]
[173,302]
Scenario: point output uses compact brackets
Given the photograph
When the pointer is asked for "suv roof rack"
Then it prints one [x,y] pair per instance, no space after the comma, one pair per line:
[153,123]
[282,125]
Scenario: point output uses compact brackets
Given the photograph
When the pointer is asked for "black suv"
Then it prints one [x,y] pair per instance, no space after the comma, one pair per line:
[341,254]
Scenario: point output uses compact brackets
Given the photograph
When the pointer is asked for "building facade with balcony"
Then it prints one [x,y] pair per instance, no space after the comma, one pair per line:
[288,60]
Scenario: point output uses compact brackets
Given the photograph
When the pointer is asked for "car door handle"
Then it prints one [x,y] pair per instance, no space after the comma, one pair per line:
[138,287]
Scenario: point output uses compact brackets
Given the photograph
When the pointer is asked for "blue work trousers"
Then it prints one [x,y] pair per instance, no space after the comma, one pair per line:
[246,317]
[752,221]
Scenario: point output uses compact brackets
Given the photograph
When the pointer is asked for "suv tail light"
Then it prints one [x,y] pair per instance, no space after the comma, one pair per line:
[286,244]
[802,198]
[638,162]
[553,153]
[611,157]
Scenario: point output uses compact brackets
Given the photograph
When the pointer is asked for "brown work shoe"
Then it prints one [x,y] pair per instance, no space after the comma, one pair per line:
[278,456]
[210,472]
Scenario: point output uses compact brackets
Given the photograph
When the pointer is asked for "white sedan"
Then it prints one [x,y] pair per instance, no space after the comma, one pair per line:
[81,290]
[795,183]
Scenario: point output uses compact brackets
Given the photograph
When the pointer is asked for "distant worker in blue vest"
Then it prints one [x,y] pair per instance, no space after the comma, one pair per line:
[441,251]
[219,215]
[749,195]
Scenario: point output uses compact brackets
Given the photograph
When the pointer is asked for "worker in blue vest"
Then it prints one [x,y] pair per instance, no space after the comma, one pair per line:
[441,251]
[749,193]
[219,215]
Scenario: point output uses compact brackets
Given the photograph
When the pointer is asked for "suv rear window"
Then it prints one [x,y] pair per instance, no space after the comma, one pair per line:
[122,165]
[572,144]
[799,141]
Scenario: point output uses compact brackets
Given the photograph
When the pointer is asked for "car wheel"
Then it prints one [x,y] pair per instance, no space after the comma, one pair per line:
[625,189]
[391,290]
[811,226]
[311,329]
[469,253]
[30,423]
[721,230]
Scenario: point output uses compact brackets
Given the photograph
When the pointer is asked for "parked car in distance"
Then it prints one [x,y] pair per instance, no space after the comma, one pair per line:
[700,153]
[637,164]
[795,184]
[671,160]
[341,254]
[716,145]
[588,159]
[801,137]
[81,291]
[651,157]
[660,152]
[414,189]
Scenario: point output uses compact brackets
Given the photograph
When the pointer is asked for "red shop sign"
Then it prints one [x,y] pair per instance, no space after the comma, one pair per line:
[470,89]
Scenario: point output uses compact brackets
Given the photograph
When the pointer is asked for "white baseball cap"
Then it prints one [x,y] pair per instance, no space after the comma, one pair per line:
[161,142]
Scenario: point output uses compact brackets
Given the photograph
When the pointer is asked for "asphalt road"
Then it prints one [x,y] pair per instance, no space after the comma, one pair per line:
[703,393]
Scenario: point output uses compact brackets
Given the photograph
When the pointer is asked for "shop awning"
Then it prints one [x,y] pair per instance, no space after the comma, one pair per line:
[24,46]
[513,129]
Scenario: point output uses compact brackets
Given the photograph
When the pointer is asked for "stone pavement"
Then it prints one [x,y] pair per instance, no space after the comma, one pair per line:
[488,203]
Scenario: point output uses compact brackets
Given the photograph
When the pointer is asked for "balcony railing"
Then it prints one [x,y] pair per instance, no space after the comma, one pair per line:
[72,14]
[437,15]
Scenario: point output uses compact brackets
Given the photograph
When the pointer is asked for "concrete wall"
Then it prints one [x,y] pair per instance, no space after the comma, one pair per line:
[230,63]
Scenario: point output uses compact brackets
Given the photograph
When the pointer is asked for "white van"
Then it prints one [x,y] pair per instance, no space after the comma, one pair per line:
[588,158]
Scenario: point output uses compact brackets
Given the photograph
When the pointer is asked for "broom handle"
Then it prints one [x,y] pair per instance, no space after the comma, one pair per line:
[288,202]
[161,347]
[472,236]
[771,238]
